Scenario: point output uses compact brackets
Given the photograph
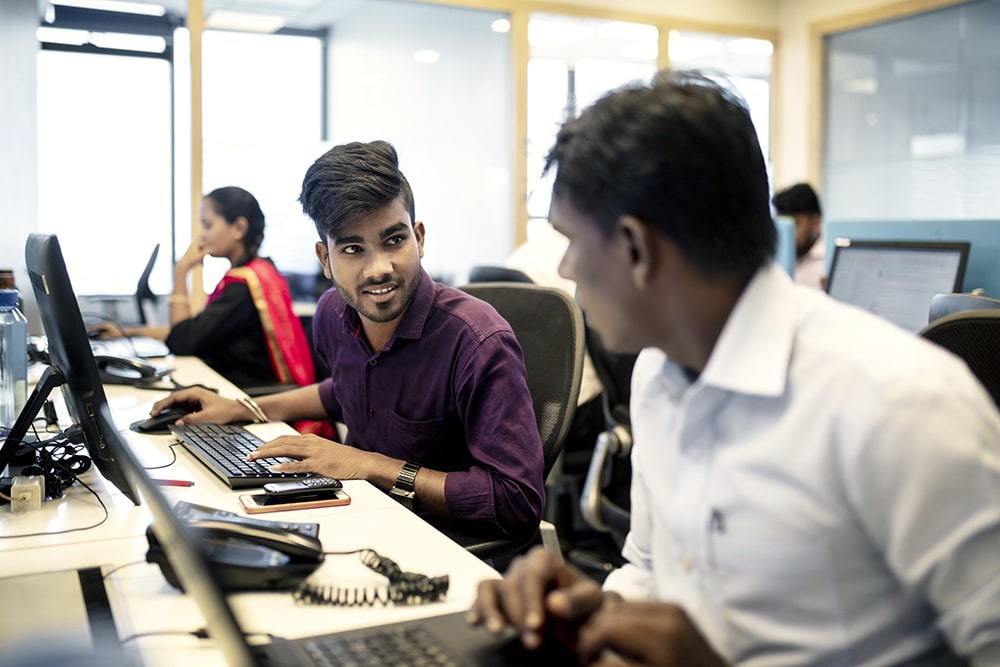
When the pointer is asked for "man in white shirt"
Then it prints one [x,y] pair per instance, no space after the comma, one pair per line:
[801,203]
[811,485]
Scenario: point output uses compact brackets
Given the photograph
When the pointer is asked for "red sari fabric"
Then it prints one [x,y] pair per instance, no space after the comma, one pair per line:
[287,344]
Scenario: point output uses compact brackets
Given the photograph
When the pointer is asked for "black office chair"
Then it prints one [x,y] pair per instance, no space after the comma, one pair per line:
[549,327]
[974,335]
[604,500]
[955,302]
[497,274]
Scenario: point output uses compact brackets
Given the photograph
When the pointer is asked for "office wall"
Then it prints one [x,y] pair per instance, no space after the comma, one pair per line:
[451,122]
[18,143]
[797,145]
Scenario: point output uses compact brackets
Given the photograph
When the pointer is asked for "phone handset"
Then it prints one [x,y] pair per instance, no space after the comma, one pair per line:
[114,369]
[297,546]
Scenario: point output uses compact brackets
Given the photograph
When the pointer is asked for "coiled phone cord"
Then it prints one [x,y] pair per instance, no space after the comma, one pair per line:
[403,588]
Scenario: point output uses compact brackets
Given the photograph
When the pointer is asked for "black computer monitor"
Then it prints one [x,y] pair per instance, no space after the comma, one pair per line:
[72,366]
[145,297]
[896,279]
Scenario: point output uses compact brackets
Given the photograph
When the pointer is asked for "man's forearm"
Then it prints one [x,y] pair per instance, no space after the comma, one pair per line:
[301,403]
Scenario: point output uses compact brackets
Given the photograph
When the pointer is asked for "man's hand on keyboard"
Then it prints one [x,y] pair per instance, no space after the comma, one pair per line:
[317,455]
[210,407]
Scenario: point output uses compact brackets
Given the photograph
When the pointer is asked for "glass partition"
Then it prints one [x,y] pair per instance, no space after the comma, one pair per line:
[573,61]
[911,109]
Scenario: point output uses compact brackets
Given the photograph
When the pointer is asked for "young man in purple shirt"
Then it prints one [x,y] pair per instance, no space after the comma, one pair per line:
[429,381]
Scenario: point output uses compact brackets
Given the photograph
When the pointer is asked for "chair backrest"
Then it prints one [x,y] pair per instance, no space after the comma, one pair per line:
[955,302]
[604,500]
[973,335]
[549,327]
[497,274]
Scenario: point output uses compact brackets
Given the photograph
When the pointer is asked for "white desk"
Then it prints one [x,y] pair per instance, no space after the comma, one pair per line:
[144,602]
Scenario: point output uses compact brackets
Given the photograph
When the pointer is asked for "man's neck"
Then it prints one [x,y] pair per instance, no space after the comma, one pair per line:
[706,312]
[378,334]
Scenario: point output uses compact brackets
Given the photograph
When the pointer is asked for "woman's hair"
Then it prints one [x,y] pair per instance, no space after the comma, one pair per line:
[232,202]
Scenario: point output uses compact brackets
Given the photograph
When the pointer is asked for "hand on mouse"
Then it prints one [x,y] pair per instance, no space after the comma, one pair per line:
[204,407]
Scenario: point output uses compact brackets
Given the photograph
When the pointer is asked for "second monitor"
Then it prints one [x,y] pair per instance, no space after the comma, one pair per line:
[896,279]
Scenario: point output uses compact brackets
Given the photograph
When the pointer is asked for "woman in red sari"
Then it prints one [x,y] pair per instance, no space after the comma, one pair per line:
[246,330]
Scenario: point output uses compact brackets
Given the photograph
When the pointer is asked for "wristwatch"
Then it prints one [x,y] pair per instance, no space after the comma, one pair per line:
[402,490]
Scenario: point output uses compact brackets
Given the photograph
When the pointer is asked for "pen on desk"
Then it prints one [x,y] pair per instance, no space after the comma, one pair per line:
[174,482]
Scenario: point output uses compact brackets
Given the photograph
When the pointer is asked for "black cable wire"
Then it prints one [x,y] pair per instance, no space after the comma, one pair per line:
[123,566]
[172,461]
[70,530]
[404,588]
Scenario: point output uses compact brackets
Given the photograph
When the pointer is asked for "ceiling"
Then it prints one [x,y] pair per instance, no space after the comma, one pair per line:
[308,14]
[566,38]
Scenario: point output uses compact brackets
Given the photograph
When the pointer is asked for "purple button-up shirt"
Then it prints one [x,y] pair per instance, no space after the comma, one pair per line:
[449,392]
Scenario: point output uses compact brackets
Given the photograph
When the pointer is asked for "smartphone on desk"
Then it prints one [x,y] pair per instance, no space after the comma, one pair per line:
[258,503]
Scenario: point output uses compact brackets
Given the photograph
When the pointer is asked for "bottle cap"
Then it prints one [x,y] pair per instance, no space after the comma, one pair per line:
[8,298]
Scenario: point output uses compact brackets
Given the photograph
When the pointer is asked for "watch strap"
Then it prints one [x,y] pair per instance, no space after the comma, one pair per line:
[403,489]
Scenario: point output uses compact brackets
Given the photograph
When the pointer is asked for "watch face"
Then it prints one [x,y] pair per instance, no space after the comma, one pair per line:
[404,497]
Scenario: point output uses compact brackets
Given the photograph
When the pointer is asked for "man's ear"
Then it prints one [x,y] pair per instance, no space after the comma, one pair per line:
[418,233]
[323,255]
[637,245]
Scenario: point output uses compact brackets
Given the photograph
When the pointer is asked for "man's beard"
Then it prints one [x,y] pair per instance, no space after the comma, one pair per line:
[802,250]
[382,312]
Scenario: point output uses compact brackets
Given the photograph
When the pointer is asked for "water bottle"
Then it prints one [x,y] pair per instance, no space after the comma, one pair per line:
[13,358]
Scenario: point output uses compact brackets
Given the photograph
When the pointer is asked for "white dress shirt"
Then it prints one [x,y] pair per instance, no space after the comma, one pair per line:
[827,492]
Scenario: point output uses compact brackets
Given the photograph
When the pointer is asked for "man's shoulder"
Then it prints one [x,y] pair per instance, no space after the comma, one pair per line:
[330,306]
[454,308]
[855,344]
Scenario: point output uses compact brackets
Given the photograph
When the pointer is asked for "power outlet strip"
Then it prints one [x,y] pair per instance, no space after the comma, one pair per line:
[26,494]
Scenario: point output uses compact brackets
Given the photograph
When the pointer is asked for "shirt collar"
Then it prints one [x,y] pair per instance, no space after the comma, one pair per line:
[754,350]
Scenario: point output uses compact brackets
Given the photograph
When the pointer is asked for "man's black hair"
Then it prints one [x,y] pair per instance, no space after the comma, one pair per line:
[350,181]
[680,154]
[799,198]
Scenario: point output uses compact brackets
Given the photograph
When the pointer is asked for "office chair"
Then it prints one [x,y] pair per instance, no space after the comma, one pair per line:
[974,335]
[549,327]
[497,274]
[954,302]
[604,500]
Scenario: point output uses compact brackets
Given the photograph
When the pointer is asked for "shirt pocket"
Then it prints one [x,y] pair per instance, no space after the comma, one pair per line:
[416,440]
[782,590]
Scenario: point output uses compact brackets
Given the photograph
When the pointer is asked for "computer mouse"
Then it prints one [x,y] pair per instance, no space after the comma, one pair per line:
[158,423]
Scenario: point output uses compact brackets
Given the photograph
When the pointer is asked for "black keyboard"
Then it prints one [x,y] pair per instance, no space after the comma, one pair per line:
[223,448]
[390,646]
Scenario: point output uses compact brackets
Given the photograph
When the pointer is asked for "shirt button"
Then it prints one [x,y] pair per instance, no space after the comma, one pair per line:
[371,412]
[686,565]
[372,362]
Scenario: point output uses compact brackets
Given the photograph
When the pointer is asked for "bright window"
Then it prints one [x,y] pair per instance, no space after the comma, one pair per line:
[104,162]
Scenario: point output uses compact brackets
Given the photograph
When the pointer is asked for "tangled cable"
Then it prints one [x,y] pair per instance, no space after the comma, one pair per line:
[59,461]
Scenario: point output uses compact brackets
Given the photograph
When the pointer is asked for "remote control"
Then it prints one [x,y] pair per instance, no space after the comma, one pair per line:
[300,486]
